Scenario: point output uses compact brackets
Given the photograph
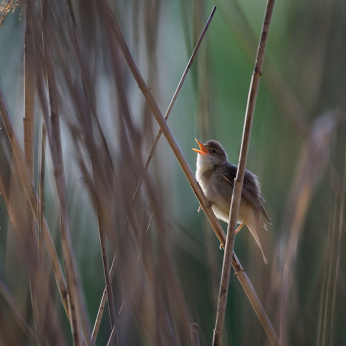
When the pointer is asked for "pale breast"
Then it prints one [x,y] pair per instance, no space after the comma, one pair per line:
[207,186]
[220,205]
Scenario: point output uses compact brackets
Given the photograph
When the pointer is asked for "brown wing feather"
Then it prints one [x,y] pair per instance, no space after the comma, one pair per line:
[251,188]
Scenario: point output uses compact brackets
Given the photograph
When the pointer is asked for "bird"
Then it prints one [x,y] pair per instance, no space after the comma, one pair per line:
[216,177]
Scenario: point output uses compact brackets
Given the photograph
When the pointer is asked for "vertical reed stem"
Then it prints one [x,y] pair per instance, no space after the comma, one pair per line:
[238,182]
[57,158]
[28,124]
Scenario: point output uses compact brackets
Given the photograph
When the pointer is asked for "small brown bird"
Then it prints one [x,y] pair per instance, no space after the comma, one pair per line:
[216,178]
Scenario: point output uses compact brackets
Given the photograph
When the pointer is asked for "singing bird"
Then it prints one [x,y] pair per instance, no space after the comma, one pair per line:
[216,178]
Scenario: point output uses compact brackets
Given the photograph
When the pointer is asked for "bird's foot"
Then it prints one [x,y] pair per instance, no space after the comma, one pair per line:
[239,228]
[209,205]
[222,246]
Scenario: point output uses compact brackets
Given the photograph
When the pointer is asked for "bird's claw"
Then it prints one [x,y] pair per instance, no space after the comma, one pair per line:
[209,205]
[222,247]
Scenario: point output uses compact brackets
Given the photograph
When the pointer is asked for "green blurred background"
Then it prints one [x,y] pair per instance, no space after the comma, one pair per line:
[303,79]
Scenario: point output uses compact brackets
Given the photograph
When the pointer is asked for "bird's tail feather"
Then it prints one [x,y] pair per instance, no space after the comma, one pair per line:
[264,212]
[256,228]
[260,244]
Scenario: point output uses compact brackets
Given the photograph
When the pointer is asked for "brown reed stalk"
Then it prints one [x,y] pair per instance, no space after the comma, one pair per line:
[5,292]
[114,329]
[29,83]
[28,122]
[172,282]
[37,274]
[87,90]
[106,272]
[113,333]
[238,181]
[310,169]
[74,293]
[32,197]
[34,203]
[105,296]
[338,250]
[90,183]
[44,230]
[86,122]
[42,166]
[14,307]
[102,305]
[186,168]
[86,82]
[111,337]
[194,334]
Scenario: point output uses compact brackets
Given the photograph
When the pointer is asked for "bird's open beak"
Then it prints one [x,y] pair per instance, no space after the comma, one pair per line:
[203,150]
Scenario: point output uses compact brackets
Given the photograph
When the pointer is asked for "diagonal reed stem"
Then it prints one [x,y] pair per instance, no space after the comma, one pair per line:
[4,291]
[185,166]
[111,337]
[238,185]
[105,296]
[102,305]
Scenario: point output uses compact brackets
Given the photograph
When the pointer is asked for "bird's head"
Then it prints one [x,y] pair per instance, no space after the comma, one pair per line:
[210,154]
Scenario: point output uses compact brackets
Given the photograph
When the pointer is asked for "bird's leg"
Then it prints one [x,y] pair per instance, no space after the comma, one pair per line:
[239,228]
[208,206]
[222,247]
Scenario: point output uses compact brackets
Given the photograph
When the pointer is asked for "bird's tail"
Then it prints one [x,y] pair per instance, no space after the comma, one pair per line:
[264,213]
[263,251]
[257,227]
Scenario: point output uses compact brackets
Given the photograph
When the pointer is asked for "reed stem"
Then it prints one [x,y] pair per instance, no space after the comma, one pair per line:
[238,187]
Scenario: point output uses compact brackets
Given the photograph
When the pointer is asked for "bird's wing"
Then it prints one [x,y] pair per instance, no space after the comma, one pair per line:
[229,173]
[251,188]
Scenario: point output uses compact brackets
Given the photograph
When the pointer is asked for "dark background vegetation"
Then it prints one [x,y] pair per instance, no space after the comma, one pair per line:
[297,150]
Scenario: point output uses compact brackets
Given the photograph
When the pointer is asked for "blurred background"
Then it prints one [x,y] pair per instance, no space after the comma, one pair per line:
[168,264]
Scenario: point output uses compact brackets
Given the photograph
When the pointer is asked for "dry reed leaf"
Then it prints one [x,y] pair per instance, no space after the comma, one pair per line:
[8,6]
[309,170]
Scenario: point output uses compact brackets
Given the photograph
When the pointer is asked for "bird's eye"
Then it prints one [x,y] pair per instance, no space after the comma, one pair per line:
[214,151]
